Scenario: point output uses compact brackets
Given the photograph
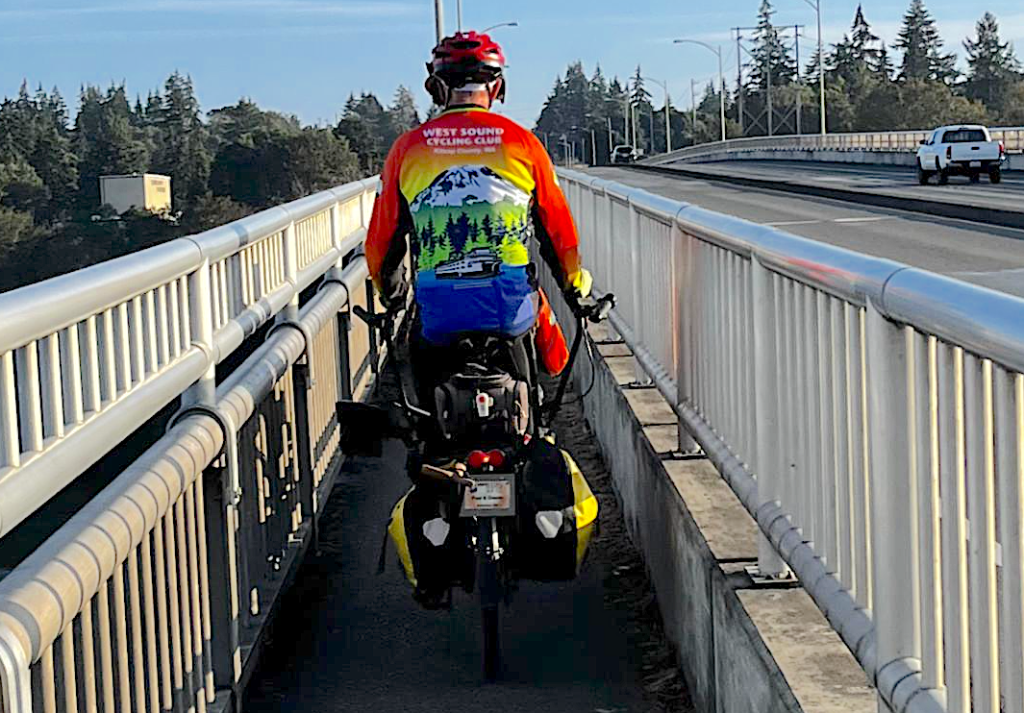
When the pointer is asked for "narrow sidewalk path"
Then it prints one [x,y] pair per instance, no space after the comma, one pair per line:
[350,640]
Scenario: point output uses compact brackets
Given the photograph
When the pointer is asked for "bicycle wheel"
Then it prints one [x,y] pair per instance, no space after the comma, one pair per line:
[492,655]
[489,583]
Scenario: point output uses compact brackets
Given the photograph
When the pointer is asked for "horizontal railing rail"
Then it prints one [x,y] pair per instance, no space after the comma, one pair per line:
[155,595]
[869,415]
[87,357]
[882,141]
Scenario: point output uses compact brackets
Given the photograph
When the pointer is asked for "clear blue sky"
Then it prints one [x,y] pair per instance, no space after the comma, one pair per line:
[306,56]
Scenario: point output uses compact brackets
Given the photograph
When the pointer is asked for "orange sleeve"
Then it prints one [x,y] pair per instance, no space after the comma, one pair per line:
[558,236]
[385,238]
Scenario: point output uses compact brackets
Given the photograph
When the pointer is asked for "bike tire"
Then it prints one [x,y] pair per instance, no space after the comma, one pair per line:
[492,650]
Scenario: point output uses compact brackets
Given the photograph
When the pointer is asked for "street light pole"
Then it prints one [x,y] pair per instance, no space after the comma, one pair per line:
[816,4]
[668,128]
[458,14]
[439,19]
[721,79]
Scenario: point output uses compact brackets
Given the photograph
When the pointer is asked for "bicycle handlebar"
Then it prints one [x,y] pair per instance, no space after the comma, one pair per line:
[591,309]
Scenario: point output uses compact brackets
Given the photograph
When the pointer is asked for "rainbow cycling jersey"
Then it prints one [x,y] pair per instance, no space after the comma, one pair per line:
[469,189]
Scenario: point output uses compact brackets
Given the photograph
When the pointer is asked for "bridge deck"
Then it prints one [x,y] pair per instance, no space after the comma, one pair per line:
[350,640]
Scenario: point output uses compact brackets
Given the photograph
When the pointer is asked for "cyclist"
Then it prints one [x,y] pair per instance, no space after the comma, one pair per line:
[466,191]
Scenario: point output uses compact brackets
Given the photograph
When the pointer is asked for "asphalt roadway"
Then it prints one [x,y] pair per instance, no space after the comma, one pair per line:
[350,640]
[891,180]
[986,255]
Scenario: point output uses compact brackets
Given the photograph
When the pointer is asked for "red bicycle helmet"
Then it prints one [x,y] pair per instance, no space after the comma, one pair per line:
[464,58]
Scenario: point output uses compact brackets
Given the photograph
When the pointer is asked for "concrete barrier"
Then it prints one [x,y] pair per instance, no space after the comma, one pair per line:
[1014,162]
[743,646]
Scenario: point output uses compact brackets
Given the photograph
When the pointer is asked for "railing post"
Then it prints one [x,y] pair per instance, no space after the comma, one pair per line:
[636,317]
[344,355]
[291,273]
[15,675]
[302,384]
[200,307]
[766,396]
[222,528]
[894,521]
[681,280]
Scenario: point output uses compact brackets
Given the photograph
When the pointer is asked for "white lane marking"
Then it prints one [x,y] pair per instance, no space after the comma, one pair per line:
[784,223]
[1007,272]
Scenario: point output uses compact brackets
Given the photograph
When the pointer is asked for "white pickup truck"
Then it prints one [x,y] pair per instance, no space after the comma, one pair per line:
[960,150]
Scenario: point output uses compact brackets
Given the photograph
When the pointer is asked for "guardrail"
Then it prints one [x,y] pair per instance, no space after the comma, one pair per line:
[869,415]
[881,141]
[87,357]
[155,596]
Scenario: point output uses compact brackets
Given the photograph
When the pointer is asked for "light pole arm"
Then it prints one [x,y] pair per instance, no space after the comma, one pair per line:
[716,50]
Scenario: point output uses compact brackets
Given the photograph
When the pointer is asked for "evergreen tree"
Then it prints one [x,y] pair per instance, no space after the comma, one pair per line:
[107,143]
[865,43]
[184,155]
[369,130]
[245,123]
[770,55]
[922,48]
[993,65]
[885,69]
[404,115]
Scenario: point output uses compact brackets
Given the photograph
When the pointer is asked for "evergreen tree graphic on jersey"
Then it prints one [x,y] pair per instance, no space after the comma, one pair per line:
[469,222]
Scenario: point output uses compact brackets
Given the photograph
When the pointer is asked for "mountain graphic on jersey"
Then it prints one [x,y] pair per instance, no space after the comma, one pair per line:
[469,222]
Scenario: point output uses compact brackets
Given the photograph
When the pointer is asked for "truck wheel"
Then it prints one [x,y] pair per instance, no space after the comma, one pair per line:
[943,177]
[922,175]
[995,175]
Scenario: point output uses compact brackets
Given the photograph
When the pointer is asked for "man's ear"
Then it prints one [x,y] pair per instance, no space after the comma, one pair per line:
[437,89]
[498,90]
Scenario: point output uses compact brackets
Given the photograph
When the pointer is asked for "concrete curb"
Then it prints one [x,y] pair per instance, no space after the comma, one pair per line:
[743,647]
[971,213]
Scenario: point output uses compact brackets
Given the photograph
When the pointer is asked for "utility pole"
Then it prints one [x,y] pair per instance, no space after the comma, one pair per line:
[593,147]
[668,122]
[439,19]
[458,14]
[799,83]
[693,108]
[739,80]
[768,77]
[610,139]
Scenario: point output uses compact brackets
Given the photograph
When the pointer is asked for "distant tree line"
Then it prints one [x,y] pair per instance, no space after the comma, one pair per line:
[231,162]
[865,90]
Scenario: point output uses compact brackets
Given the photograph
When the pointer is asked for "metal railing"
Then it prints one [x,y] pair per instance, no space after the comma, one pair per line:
[881,141]
[156,594]
[87,357]
[869,415]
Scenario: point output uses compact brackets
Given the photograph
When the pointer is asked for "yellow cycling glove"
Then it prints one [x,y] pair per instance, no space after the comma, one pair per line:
[582,283]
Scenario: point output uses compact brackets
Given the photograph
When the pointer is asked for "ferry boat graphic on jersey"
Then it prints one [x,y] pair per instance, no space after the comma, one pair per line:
[482,262]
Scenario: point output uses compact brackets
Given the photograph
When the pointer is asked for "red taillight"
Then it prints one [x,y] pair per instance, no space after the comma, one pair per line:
[949,152]
[477,460]
[1002,150]
[496,458]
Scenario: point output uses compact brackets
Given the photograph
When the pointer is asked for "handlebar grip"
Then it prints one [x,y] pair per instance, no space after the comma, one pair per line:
[603,308]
